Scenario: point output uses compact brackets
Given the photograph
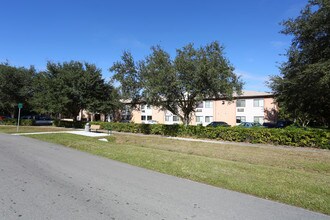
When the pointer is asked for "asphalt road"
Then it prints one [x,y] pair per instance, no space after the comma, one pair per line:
[39,180]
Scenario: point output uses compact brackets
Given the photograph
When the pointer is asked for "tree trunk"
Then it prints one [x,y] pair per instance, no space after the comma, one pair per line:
[186,119]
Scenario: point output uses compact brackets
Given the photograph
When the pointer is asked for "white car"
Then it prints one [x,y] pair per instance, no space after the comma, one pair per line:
[151,122]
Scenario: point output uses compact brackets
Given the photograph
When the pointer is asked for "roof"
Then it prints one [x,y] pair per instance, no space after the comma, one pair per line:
[247,93]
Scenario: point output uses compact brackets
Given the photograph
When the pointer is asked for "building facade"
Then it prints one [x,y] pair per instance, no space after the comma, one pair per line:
[249,107]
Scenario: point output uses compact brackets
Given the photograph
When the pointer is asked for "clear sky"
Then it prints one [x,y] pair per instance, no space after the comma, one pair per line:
[33,32]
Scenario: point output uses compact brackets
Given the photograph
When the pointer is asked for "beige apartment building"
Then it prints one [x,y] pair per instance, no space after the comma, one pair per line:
[251,106]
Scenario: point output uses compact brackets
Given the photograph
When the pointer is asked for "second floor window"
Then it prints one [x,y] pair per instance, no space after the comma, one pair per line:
[240,103]
[258,103]
[200,105]
[143,108]
[208,104]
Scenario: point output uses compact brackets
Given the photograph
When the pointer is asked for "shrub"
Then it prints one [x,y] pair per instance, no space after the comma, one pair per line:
[26,122]
[13,121]
[9,121]
[291,136]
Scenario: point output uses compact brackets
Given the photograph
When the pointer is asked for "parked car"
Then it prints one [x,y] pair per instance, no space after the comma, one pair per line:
[249,124]
[269,125]
[278,124]
[43,120]
[2,117]
[151,122]
[29,117]
[125,121]
[283,123]
[218,124]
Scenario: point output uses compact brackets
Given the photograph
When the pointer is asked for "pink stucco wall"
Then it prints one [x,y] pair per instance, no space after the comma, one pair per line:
[158,115]
[271,110]
[136,116]
[225,111]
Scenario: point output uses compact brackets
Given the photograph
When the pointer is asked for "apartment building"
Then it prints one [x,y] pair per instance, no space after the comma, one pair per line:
[256,107]
[251,106]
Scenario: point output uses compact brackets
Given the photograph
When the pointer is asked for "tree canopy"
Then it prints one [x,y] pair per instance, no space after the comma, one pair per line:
[178,85]
[303,88]
[15,87]
[66,88]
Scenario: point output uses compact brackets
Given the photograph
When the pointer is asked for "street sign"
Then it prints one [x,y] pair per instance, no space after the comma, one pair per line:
[20,105]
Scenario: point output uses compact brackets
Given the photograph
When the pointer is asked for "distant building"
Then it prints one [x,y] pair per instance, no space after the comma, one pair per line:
[249,107]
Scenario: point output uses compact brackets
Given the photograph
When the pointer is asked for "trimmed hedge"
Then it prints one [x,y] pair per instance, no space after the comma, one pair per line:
[316,138]
[13,121]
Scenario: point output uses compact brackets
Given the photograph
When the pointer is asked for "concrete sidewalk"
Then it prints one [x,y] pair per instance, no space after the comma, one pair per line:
[78,132]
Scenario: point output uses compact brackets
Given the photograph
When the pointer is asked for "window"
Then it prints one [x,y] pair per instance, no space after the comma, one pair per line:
[175,118]
[143,108]
[258,103]
[240,119]
[208,118]
[167,118]
[208,104]
[200,105]
[149,117]
[143,118]
[126,110]
[240,103]
[148,107]
[199,118]
[240,110]
[259,119]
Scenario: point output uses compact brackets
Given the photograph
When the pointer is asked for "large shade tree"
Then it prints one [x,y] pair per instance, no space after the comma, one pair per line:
[15,87]
[178,85]
[128,75]
[303,88]
[66,88]
[108,102]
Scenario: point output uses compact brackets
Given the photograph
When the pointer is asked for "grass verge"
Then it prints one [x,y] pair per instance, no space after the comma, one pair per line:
[296,177]
[10,129]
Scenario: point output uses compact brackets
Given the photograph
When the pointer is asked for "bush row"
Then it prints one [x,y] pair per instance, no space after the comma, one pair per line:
[57,123]
[13,121]
[291,136]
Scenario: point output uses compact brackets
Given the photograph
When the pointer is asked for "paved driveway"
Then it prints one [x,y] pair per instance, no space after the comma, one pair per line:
[39,180]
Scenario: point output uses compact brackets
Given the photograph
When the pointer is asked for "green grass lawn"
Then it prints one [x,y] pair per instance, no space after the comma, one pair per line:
[295,176]
[27,129]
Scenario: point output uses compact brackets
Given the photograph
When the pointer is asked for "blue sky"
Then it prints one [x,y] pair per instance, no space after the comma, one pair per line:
[33,32]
